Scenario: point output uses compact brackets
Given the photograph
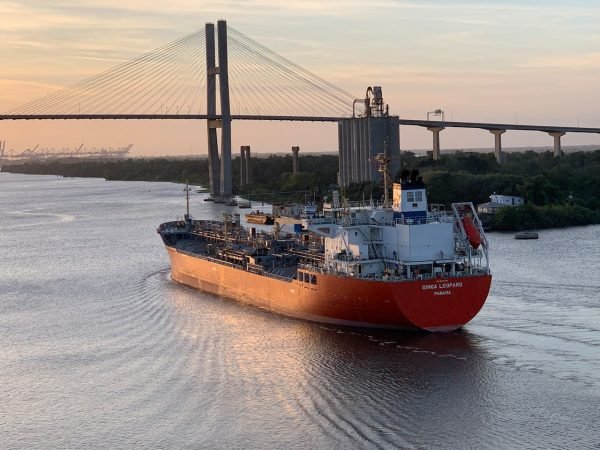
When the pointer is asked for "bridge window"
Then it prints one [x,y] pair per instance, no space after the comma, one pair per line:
[418,196]
[313,279]
[410,196]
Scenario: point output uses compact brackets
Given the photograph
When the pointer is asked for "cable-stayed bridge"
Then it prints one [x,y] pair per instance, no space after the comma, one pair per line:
[170,82]
[181,80]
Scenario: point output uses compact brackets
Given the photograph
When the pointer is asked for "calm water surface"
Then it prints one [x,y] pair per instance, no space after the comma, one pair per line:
[100,349]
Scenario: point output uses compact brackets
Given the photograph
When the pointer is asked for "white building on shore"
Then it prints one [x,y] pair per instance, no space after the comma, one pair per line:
[499,201]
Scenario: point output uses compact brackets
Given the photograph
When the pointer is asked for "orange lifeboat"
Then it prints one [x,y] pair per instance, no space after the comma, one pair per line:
[472,233]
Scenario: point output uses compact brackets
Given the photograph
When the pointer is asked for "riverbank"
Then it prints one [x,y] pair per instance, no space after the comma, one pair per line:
[530,216]
[559,191]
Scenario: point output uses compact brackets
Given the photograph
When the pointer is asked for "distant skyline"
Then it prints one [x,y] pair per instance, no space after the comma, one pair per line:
[506,61]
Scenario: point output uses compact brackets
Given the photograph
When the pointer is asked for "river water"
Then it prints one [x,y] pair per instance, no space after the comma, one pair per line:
[100,349]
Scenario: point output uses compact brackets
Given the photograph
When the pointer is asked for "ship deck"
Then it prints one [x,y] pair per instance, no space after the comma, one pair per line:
[280,256]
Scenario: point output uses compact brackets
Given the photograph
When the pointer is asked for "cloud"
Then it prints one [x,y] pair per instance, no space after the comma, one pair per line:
[565,62]
[466,55]
[16,92]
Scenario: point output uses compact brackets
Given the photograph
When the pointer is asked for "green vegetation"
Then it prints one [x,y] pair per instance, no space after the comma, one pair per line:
[272,178]
[549,216]
[558,191]
[155,169]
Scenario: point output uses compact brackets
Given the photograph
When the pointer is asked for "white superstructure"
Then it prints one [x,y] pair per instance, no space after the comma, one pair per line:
[404,241]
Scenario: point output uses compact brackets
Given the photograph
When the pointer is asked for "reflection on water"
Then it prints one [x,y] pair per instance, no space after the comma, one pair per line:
[101,349]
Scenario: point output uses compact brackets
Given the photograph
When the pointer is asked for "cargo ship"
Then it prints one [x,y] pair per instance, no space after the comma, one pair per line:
[399,266]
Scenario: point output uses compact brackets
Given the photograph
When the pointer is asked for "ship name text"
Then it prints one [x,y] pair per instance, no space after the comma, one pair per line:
[456,284]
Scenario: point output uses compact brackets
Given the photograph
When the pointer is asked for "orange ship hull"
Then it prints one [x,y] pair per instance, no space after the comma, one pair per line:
[442,304]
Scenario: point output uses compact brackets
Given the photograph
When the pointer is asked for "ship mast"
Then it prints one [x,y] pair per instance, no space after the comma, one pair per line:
[383,167]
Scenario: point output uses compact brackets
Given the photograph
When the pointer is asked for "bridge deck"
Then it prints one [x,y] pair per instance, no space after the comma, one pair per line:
[414,122]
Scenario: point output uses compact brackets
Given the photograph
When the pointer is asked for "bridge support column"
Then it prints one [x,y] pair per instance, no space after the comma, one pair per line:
[295,151]
[436,141]
[498,145]
[248,165]
[243,163]
[557,148]
[226,190]
[211,110]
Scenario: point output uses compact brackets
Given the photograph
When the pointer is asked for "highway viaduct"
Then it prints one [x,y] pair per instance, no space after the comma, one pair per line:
[435,126]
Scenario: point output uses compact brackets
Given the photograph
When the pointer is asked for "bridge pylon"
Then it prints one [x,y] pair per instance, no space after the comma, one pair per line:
[500,157]
[211,110]
[219,167]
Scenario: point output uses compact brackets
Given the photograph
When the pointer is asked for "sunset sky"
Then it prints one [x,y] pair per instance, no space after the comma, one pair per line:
[527,61]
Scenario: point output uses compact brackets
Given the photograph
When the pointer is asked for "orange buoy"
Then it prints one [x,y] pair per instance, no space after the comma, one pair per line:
[472,233]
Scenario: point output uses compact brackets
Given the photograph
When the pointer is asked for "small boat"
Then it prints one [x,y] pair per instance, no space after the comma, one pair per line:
[244,204]
[526,235]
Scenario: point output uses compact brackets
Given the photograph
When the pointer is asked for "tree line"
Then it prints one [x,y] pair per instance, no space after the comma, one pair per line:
[558,191]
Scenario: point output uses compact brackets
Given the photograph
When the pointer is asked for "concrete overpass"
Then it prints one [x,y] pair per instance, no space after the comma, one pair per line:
[497,129]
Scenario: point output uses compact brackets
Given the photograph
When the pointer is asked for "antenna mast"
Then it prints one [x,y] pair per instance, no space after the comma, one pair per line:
[383,162]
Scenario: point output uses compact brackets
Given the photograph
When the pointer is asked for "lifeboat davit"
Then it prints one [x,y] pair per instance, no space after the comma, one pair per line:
[472,233]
